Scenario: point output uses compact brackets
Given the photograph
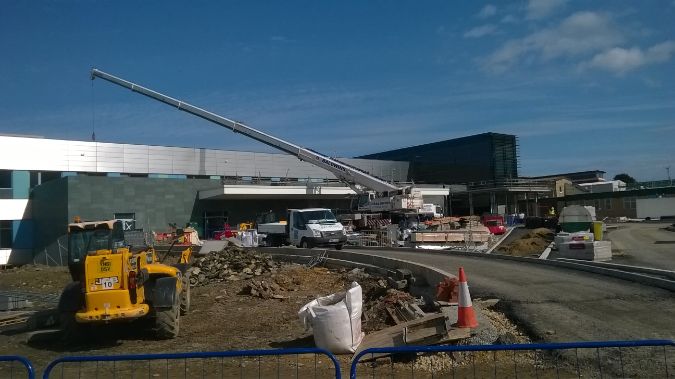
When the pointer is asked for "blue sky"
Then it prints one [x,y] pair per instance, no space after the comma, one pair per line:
[584,85]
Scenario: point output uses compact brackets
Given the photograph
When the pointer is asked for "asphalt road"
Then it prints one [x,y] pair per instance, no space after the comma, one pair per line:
[637,244]
[557,304]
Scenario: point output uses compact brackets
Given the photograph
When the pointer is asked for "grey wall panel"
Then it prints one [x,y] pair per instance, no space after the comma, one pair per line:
[83,156]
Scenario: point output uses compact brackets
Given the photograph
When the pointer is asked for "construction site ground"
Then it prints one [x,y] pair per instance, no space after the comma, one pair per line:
[224,316]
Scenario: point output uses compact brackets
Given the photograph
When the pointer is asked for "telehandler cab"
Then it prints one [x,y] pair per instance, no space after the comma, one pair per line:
[114,283]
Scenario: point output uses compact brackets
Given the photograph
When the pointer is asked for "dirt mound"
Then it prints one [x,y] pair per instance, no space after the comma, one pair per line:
[532,243]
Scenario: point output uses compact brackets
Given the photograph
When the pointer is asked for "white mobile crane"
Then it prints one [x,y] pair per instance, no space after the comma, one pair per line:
[382,196]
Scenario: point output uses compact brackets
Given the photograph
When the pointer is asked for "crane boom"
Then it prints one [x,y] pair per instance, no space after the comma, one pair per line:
[342,171]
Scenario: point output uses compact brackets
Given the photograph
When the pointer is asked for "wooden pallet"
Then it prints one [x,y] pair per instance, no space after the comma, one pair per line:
[14,318]
[432,329]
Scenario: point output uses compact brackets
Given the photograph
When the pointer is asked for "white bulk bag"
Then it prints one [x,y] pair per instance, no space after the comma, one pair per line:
[335,320]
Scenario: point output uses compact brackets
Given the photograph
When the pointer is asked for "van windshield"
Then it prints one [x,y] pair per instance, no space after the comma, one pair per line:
[323,216]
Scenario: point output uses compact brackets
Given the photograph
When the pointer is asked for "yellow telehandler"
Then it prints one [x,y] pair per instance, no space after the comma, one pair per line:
[112,282]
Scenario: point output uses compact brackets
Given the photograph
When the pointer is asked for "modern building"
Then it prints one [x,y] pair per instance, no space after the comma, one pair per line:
[45,183]
[478,158]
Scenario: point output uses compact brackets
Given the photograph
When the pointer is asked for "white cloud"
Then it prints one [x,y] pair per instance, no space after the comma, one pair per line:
[487,11]
[509,19]
[579,34]
[619,60]
[481,31]
[539,9]
[281,39]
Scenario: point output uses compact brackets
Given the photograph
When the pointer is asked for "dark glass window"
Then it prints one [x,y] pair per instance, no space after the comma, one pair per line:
[5,234]
[34,178]
[50,175]
[5,179]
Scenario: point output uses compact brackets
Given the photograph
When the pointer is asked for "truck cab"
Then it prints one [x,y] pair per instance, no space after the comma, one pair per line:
[315,227]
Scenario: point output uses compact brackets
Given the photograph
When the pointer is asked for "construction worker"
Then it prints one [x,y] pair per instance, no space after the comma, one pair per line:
[551,212]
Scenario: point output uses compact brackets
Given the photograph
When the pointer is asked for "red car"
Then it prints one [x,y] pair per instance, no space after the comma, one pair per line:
[494,223]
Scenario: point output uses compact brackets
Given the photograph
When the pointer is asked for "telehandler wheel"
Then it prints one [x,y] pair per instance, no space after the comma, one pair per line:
[70,302]
[185,294]
[338,247]
[71,331]
[167,322]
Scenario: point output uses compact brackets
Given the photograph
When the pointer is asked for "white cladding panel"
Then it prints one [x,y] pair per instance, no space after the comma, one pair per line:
[14,209]
[40,154]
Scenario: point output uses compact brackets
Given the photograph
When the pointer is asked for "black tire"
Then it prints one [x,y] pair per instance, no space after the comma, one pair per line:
[338,247]
[305,244]
[167,322]
[185,294]
[71,331]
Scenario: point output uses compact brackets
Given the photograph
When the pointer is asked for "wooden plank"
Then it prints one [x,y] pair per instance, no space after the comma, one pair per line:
[394,335]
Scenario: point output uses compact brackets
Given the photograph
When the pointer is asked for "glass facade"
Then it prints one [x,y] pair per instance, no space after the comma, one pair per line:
[482,157]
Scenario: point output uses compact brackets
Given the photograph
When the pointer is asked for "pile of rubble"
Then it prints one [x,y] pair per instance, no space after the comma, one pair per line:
[232,263]
[265,289]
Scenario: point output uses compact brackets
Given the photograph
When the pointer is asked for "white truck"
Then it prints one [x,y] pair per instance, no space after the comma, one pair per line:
[305,228]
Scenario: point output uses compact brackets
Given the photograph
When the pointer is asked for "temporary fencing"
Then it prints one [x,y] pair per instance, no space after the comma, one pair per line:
[604,359]
[608,359]
[278,363]
[372,238]
[15,366]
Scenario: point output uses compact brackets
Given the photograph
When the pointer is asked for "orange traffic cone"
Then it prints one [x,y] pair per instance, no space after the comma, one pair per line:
[466,317]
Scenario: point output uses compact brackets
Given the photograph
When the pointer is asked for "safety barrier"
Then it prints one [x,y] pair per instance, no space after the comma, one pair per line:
[9,369]
[305,363]
[647,358]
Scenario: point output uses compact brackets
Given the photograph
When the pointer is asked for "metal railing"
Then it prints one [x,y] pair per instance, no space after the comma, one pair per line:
[652,184]
[513,183]
[647,358]
[304,363]
[16,366]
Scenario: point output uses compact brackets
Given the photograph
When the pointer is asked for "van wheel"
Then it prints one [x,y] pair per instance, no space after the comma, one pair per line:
[305,244]
[338,247]
[167,322]
[185,294]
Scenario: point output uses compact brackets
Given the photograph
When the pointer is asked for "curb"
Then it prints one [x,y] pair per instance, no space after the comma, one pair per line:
[585,266]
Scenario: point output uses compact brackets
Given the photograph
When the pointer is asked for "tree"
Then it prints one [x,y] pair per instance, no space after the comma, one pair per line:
[625,178]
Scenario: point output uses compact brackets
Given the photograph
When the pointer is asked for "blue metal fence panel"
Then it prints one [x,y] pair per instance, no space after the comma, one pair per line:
[8,369]
[645,358]
[251,363]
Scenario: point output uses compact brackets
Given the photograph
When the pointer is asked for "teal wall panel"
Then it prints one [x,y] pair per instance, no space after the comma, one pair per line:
[20,184]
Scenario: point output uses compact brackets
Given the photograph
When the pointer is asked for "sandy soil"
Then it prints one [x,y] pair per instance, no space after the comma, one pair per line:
[530,243]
